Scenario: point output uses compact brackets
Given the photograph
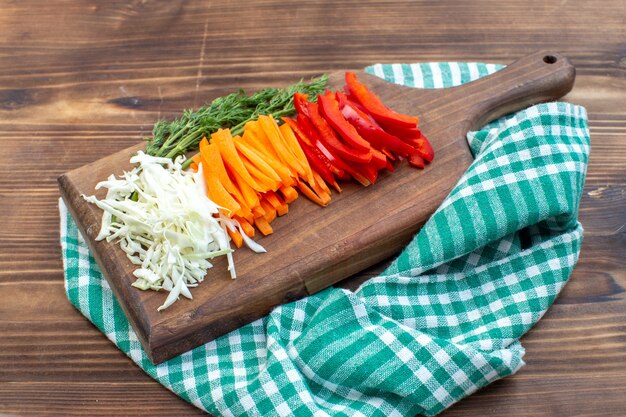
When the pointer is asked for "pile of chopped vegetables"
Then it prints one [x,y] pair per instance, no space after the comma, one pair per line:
[356,135]
[165,223]
[170,222]
[252,177]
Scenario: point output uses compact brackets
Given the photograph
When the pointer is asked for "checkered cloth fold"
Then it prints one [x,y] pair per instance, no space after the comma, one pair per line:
[442,321]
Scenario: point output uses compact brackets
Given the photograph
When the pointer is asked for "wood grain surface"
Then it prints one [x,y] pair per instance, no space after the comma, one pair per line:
[82,79]
[314,247]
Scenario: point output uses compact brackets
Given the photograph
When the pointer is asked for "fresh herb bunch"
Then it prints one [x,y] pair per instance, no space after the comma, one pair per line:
[170,139]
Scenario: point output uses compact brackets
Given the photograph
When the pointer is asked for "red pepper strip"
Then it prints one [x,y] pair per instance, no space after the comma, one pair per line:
[376,107]
[310,132]
[388,154]
[379,160]
[424,149]
[311,138]
[347,167]
[328,136]
[338,166]
[329,108]
[318,165]
[401,132]
[414,138]
[389,166]
[416,161]
[300,100]
[344,167]
[372,133]
[352,100]
[368,171]
[313,155]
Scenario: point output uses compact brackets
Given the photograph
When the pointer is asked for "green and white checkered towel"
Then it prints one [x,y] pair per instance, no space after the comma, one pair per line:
[442,321]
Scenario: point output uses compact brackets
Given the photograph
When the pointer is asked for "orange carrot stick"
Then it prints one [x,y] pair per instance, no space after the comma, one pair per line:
[258,211]
[296,149]
[245,226]
[236,237]
[254,136]
[319,185]
[270,128]
[308,193]
[211,155]
[270,211]
[230,156]
[289,193]
[263,147]
[259,176]
[256,158]
[249,195]
[263,226]
[218,193]
[274,199]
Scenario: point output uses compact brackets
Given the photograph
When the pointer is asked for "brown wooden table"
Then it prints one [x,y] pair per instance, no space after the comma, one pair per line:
[81,79]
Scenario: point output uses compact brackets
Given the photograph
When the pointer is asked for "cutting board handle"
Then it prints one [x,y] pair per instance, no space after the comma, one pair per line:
[539,77]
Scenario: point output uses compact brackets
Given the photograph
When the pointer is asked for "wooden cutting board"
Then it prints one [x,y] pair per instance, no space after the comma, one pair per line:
[313,247]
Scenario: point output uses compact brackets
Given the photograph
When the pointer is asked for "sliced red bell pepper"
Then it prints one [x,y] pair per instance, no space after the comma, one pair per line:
[424,149]
[309,133]
[379,160]
[375,106]
[416,161]
[401,132]
[367,170]
[300,101]
[329,108]
[388,154]
[352,100]
[414,138]
[345,166]
[313,155]
[328,136]
[372,133]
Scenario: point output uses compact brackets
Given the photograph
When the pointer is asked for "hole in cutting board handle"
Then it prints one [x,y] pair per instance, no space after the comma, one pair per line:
[549,59]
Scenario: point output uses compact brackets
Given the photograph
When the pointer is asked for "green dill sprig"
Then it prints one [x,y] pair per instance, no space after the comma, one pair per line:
[170,139]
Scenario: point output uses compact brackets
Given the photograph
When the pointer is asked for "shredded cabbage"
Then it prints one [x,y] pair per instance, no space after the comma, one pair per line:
[163,220]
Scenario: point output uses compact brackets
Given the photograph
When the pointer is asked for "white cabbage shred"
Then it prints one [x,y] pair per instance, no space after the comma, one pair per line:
[162,218]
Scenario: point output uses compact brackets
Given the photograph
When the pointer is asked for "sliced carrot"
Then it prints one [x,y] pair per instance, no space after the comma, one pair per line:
[269,126]
[213,157]
[194,166]
[292,142]
[256,158]
[263,147]
[274,199]
[254,136]
[245,226]
[249,195]
[259,176]
[236,237]
[270,211]
[263,226]
[310,194]
[320,185]
[230,156]
[218,193]
[258,211]
[289,193]
[211,154]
